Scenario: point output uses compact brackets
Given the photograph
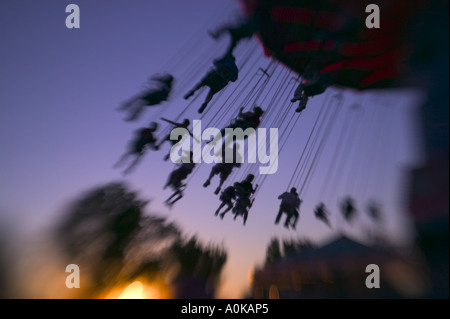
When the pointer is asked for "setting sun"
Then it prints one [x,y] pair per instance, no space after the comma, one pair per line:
[133,291]
[140,289]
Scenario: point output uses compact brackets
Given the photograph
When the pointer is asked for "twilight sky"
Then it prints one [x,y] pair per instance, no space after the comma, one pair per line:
[60,133]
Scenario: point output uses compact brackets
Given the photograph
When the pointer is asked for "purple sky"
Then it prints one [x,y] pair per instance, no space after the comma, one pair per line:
[60,133]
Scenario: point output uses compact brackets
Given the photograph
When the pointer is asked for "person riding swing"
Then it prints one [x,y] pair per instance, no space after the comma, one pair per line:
[176,179]
[160,92]
[225,71]
[144,139]
[290,204]
[244,191]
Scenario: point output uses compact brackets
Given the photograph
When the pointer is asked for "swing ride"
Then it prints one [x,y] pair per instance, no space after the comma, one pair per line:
[311,46]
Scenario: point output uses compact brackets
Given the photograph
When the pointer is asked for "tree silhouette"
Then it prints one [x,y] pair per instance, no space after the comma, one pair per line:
[4,264]
[106,232]
[289,247]
[273,251]
[97,229]
[198,267]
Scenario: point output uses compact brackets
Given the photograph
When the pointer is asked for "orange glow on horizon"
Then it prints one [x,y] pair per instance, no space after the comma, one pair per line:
[133,291]
[140,290]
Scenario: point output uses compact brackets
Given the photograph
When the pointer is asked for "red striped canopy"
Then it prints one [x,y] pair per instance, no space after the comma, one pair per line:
[331,36]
